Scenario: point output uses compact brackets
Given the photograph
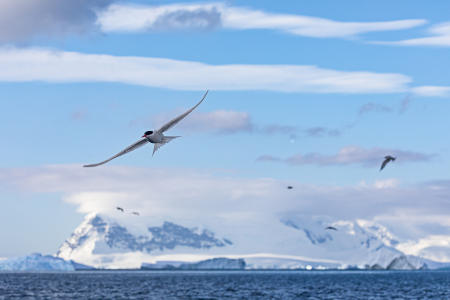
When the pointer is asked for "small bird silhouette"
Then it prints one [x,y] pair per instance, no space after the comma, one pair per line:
[135,213]
[330,228]
[120,208]
[290,187]
[387,159]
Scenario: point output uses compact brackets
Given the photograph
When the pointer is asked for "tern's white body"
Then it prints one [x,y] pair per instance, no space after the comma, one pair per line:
[155,137]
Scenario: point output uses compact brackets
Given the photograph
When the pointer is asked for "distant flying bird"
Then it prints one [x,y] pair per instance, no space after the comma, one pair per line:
[387,159]
[120,208]
[330,228]
[156,137]
[289,187]
[135,213]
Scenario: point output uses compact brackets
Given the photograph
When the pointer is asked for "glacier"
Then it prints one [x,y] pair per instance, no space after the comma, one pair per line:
[288,241]
[218,263]
[39,262]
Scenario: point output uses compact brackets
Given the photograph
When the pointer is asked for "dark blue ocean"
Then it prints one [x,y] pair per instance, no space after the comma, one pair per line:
[226,285]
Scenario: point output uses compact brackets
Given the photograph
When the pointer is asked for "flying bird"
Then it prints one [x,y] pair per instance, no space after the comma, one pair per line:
[289,187]
[135,213]
[330,228]
[120,208]
[387,159]
[156,137]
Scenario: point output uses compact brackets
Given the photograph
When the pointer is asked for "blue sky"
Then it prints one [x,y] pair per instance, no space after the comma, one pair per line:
[302,92]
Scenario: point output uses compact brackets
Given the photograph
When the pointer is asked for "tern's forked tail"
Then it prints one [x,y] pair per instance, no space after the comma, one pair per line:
[164,141]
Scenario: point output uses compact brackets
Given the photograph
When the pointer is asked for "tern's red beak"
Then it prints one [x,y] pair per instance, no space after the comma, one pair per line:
[144,135]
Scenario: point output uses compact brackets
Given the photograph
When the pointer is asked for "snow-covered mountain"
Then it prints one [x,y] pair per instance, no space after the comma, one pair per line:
[105,243]
[290,241]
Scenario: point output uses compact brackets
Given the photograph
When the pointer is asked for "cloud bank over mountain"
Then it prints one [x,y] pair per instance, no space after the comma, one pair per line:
[414,213]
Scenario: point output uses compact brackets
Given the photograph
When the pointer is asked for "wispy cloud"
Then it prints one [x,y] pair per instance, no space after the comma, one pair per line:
[321,132]
[379,108]
[21,20]
[373,107]
[431,91]
[78,115]
[350,155]
[385,184]
[230,122]
[294,131]
[405,104]
[218,121]
[440,37]
[160,18]
[19,65]
[279,129]
[132,18]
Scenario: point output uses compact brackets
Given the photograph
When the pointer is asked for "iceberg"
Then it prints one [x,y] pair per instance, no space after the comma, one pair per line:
[39,262]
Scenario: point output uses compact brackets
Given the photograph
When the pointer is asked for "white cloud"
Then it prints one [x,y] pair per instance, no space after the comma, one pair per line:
[192,193]
[89,201]
[21,20]
[433,246]
[351,155]
[196,192]
[210,15]
[128,18]
[19,65]
[431,91]
[440,37]
[385,184]
[381,184]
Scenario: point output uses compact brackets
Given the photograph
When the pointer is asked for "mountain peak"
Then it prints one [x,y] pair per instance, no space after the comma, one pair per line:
[99,234]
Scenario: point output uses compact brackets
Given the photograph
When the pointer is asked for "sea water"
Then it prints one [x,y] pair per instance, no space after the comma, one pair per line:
[226,285]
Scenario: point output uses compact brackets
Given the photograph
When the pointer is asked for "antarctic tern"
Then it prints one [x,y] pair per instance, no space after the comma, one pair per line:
[156,137]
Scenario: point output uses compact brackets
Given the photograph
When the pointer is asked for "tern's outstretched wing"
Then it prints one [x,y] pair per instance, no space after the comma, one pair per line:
[172,123]
[384,163]
[125,151]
